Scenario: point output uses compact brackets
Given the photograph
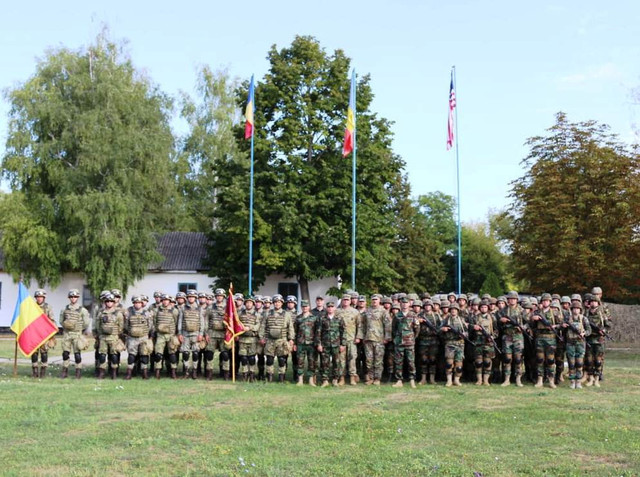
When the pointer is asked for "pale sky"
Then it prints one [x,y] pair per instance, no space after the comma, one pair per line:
[517,64]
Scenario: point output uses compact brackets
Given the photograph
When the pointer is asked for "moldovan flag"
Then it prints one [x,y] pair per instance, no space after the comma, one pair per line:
[350,131]
[234,326]
[248,113]
[31,326]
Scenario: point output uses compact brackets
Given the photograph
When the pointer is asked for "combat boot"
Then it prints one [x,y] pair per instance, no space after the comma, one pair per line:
[478,379]
[572,385]
[300,381]
[560,378]
[596,381]
[552,382]
[538,382]
[486,380]
[376,382]
[269,377]
[173,373]
[128,376]
[43,372]
[114,370]
[226,375]
[252,378]
[334,382]
[398,384]
[423,380]
[456,381]
[194,373]
[34,372]
[353,380]
[281,378]
[412,383]
[100,373]
[209,374]
[507,381]
[578,384]
[449,382]
[312,381]
[341,381]
[157,374]
[325,384]
[369,381]
[432,378]
[589,382]
[145,374]
[519,381]
[78,373]
[65,373]
[187,374]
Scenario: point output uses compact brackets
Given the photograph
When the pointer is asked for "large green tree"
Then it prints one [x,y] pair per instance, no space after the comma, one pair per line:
[576,212]
[88,158]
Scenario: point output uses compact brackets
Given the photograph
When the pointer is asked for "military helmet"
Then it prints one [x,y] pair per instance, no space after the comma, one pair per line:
[376,296]
[527,305]
[73,292]
[556,304]
[483,302]
[362,298]
[144,297]
[426,296]
[576,297]
[427,301]
[588,297]
[109,297]
[166,296]
[238,296]
[595,298]
[292,299]
[277,297]
[202,294]
[464,297]
[477,301]
[157,294]
[191,292]
[565,299]
[386,299]
[454,306]
[104,293]
[353,294]
[136,299]
[533,300]
[493,301]
[486,296]
[596,291]
[219,291]
[250,298]
[266,299]
[577,304]
[258,298]
[545,296]
[513,294]
[40,292]
[117,293]
[184,295]
[445,303]
[395,306]
[209,296]
[555,296]
[413,296]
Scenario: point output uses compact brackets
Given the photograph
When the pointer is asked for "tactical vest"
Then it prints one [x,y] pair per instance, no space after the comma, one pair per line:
[72,319]
[276,325]
[216,317]
[541,329]
[109,322]
[191,318]
[165,321]
[577,322]
[251,321]
[486,322]
[138,324]
[517,315]
[457,323]
[426,333]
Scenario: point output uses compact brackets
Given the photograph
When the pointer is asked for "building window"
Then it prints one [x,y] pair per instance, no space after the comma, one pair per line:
[87,297]
[285,289]
[183,287]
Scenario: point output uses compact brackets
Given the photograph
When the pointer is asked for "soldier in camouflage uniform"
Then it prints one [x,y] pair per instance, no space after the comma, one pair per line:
[330,343]
[375,332]
[109,327]
[247,342]
[428,342]
[43,351]
[138,328]
[545,341]
[600,325]
[512,337]
[577,329]
[404,330]
[305,330]
[165,323]
[560,317]
[191,330]
[277,334]
[387,363]
[215,336]
[75,322]
[453,344]
[484,352]
[352,322]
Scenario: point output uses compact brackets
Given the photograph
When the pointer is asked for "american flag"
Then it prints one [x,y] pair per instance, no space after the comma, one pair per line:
[452,106]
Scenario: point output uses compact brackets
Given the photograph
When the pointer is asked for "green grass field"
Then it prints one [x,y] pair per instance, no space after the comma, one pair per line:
[90,427]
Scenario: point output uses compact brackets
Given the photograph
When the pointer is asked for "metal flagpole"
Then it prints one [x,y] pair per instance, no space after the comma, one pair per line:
[353,222]
[455,89]
[251,205]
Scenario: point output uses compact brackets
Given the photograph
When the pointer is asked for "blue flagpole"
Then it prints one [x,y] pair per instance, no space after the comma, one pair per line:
[455,89]
[253,131]
[353,222]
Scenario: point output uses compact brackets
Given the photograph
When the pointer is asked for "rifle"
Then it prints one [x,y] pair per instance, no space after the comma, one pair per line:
[601,332]
[517,325]
[431,326]
[546,323]
[460,334]
[572,326]
[490,338]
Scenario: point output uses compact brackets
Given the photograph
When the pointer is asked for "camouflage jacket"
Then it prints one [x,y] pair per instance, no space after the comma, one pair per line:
[251,321]
[191,319]
[375,325]
[541,329]
[405,328]
[215,320]
[278,325]
[110,322]
[426,333]
[517,314]
[165,320]
[330,331]
[580,322]
[488,323]
[598,318]
[75,319]
[138,323]
[352,321]
[305,326]
[456,323]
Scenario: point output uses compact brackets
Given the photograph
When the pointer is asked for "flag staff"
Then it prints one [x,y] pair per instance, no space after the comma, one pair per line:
[353,220]
[455,89]
[249,117]
[15,349]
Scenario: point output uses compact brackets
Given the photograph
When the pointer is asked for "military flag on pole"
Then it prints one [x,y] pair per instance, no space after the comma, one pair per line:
[233,324]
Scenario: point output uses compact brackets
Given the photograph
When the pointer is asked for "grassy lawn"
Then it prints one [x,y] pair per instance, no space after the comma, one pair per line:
[87,427]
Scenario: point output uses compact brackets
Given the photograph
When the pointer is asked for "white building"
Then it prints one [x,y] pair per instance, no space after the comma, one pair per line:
[183,268]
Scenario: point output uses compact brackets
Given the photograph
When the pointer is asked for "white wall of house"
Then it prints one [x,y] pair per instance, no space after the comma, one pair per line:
[316,287]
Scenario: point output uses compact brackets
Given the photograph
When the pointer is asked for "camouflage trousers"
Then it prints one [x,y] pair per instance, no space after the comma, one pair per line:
[402,352]
[374,355]
[349,358]
[483,357]
[107,346]
[560,352]
[575,358]
[278,348]
[70,345]
[138,347]
[164,340]
[546,356]
[190,349]
[453,357]
[41,355]
[216,343]
[512,349]
[428,355]
[331,364]
[306,352]
[247,351]
[594,356]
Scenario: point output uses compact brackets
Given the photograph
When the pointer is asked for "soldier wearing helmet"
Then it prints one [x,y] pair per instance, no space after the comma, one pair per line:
[191,330]
[109,327]
[138,328]
[545,342]
[165,324]
[247,350]
[484,342]
[40,358]
[214,318]
[277,334]
[512,321]
[75,322]
[352,322]
[452,328]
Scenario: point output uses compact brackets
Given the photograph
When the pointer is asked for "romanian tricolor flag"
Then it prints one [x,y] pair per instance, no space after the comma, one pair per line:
[350,130]
[31,326]
[234,326]
[248,113]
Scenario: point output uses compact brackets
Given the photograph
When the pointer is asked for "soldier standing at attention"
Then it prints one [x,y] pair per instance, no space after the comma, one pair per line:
[452,328]
[165,323]
[545,341]
[43,351]
[512,338]
[484,345]
[305,328]
[291,307]
[428,342]
[387,363]
[215,335]
[276,334]
[375,332]
[250,318]
[75,321]
[577,328]
[404,330]
[109,327]
[330,343]
[191,330]
[138,327]
[600,325]
[352,322]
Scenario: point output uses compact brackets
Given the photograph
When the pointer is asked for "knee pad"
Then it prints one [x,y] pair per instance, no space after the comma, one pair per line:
[34,357]
[114,358]
[571,366]
[507,361]
[486,364]
[102,358]
[173,358]
[270,360]
[131,359]
[579,362]
[517,361]
[224,356]
[144,359]
[43,357]
[448,365]
[540,360]
[244,360]
[194,355]
[551,362]
[458,369]
[78,357]
[208,354]
[431,362]
[157,357]
[65,355]
[252,360]
[597,363]
[185,356]
[282,361]
[477,364]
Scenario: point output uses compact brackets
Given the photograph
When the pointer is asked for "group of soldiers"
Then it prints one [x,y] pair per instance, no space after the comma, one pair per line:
[401,337]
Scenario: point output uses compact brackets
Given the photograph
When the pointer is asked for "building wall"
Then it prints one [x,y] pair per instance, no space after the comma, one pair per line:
[316,287]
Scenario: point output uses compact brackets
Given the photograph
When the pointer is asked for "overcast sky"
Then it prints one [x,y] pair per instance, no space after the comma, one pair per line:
[517,64]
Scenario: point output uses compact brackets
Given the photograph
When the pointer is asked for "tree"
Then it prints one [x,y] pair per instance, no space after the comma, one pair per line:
[88,158]
[576,212]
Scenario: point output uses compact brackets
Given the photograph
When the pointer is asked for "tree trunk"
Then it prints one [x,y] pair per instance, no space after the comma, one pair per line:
[304,288]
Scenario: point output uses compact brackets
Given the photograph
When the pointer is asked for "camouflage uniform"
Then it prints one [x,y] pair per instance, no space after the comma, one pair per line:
[594,357]
[375,331]
[428,344]
[545,347]
[560,344]
[191,328]
[165,322]
[484,352]
[405,327]
[138,327]
[277,330]
[215,339]
[453,346]
[330,335]
[109,327]
[352,323]
[512,341]
[43,351]
[305,330]
[247,343]
[74,320]
[575,346]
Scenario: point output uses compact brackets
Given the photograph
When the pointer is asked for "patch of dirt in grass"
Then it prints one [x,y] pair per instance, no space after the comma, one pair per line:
[129,416]
[488,404]
[591,461]
[189,416]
